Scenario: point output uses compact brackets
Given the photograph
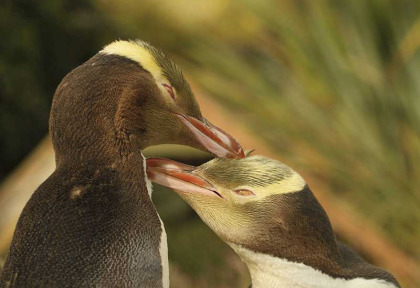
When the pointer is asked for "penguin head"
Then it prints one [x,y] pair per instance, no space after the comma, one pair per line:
[241,200]
[263,209]
[133,93]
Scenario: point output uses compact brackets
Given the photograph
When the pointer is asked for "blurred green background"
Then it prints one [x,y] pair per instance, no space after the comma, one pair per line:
[333,85]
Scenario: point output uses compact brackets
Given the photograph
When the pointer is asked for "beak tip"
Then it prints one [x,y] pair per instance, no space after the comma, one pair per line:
[212,138]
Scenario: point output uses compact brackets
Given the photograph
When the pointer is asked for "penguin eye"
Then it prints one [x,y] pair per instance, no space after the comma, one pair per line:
[169,89]
[244,192]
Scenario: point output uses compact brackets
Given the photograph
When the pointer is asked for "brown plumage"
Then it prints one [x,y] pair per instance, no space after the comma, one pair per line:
[92,222]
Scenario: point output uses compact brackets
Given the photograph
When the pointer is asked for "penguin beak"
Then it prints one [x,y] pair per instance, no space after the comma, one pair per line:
[178,176]
[214,139]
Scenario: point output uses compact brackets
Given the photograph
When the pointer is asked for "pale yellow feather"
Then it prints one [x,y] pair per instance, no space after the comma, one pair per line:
[134,50]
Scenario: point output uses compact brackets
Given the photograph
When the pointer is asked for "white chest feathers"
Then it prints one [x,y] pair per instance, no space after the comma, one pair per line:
[148,182]
[163,247]
[269,272]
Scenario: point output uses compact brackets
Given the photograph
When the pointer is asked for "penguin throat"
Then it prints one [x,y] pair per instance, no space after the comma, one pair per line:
[268,272]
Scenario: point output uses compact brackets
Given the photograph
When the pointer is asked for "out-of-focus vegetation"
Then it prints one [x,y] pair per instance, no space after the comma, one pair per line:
[41,41]
[332,84]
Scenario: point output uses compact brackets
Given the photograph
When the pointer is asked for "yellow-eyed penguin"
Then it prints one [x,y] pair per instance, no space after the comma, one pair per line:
[266,212]
[92,222]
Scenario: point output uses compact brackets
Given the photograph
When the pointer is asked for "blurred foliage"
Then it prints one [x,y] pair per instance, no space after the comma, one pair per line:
[41,42]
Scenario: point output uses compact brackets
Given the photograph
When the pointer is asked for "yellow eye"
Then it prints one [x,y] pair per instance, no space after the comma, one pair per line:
[244,192]
[169,89]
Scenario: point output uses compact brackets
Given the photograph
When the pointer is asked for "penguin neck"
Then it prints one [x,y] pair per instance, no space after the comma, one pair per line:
[95,145]
[127,166]
[304,252]
[300,231]
[268,272]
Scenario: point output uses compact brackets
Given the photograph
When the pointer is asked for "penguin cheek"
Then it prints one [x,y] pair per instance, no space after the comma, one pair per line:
[230,223]
[212,210]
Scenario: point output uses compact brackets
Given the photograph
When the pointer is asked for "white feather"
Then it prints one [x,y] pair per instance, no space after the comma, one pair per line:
[163,246]
[269,272]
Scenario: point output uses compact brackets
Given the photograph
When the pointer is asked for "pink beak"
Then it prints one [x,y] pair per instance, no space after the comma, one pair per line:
[214,139]
[178,176]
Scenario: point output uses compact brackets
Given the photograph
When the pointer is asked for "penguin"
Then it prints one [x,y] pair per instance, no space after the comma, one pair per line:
[267,213]
[92,222]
